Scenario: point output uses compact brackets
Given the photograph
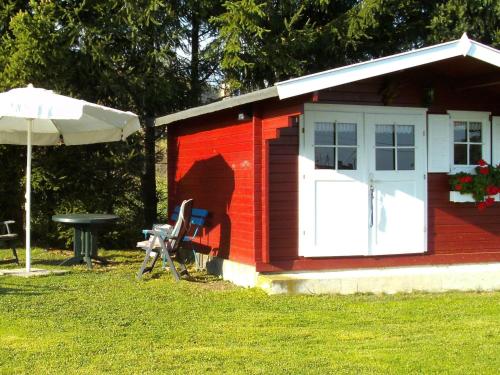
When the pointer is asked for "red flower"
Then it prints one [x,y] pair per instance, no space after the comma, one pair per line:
[465,179]
[482,163]
[489,201]
[458,187]
[484,171]
[491,190]
[481,206]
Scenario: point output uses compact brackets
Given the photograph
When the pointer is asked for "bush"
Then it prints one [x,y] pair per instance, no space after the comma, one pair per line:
[100,178]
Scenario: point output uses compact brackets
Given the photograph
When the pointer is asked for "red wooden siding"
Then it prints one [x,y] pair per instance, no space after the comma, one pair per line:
[457,233]
[246,174]
[212,161]
[459,227]
[283,193]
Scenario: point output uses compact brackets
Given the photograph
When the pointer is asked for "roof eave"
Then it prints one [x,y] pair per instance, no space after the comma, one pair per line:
[385,65]
[236,101]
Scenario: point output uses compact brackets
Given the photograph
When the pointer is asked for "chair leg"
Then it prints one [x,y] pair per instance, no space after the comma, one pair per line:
[184,270]
[198,260]
[166,254]
[14,252]
[144,266]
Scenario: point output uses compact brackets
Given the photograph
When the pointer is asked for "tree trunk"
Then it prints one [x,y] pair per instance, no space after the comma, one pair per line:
[149,176]
[195,58]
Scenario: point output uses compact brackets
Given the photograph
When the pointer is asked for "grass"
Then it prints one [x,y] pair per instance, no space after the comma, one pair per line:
[104,321]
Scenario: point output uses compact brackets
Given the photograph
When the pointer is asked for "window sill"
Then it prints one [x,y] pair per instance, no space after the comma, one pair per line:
[463,169]
[457,197]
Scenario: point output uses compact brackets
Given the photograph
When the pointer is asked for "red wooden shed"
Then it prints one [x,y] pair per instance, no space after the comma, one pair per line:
[338,181]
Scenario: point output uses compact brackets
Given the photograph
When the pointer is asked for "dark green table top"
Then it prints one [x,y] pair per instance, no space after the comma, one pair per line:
[85,218]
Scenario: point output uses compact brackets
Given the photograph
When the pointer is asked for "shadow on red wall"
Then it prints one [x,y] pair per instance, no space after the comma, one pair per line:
[210,182]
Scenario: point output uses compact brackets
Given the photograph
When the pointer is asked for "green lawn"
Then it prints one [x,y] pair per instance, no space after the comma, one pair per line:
[105,321]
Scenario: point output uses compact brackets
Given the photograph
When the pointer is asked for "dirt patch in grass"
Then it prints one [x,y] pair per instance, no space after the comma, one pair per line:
[208,282]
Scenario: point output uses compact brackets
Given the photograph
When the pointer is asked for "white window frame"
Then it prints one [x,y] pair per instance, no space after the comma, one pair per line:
[397,147]
[484,119]
[336,146]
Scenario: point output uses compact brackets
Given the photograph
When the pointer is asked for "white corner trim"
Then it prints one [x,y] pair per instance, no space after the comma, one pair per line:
[389,64]
[495,140]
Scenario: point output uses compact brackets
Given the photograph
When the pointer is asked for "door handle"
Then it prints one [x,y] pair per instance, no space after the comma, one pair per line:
[372,195]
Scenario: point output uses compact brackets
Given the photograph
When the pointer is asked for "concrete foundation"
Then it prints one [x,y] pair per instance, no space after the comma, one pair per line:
[468,277]
[238,273]
[442,278]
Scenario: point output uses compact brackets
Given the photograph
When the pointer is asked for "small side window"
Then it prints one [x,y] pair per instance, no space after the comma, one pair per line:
[471,139]
[467,142]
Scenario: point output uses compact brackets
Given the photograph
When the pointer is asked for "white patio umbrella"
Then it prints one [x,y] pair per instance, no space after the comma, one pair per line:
[34,116]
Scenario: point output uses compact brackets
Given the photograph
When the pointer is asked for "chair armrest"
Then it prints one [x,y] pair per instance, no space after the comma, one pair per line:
[163,233]
[162,229]
[6,226]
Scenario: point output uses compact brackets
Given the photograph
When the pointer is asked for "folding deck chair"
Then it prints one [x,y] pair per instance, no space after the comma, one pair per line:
[168,240]
[8,238]
[198,217]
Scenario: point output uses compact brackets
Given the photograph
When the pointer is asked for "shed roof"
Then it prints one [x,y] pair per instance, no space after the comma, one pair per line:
[350,73]
[235,101]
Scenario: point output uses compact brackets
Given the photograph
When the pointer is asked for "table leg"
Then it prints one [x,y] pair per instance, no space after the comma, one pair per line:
[88,242]
[85,246]
[78,251]
[78,242]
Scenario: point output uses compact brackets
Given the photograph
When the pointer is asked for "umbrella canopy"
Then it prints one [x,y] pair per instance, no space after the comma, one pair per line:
[57,117]
[34,116]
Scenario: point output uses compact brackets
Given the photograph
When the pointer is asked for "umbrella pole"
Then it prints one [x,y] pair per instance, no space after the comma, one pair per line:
[28,198]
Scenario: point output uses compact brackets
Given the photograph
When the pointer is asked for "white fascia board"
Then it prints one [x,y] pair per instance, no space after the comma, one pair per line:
[368,69]
[385,65]
[484,53]
[251,97]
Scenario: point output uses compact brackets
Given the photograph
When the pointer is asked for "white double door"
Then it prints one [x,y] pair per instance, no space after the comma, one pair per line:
[362,182]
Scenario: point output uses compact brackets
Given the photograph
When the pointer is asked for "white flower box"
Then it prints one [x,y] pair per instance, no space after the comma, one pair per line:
[457,197]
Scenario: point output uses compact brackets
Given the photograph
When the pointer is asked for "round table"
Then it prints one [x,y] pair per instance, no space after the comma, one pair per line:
[85,235]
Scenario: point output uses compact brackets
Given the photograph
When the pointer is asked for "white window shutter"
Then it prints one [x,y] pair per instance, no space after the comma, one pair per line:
[439,140]
[495,140]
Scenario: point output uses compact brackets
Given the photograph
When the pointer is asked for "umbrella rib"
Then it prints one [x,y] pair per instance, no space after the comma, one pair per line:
[58,130]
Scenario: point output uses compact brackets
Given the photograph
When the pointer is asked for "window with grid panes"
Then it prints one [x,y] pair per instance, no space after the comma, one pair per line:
[335,145]
[394,147]
[467,142]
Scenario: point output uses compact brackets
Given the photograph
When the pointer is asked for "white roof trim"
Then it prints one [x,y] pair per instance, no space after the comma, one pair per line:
[235,101]
[346,74]
[356,72]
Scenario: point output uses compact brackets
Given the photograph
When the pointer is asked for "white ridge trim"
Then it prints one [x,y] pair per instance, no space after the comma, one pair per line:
[356,72]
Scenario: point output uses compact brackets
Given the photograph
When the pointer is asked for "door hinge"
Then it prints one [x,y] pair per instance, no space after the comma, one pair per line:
[423,133]
[304,176]
[303,130]
[303,232]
